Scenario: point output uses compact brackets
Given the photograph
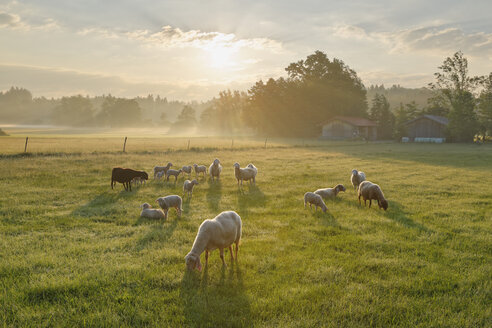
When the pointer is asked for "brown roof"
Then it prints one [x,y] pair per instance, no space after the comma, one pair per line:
[356,121]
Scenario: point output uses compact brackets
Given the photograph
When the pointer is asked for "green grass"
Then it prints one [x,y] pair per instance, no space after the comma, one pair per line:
[73,252]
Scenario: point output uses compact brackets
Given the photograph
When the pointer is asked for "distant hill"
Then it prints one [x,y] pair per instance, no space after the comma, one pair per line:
[397,94]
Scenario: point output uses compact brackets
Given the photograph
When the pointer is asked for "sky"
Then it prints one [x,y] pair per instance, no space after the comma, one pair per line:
[191,50]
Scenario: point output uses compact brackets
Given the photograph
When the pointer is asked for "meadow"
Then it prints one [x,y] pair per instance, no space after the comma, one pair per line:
[75,253]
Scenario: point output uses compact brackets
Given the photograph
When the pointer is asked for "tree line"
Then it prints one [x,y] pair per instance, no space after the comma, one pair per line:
[313,91]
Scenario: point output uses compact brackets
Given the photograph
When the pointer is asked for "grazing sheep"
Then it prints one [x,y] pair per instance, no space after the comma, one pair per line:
[220,232]
[330,192]
[125,176]
[159,175]
[188,187]
[187,169]
[174,173]
[162,169]
[138,181]
[312,198]
[356,178]
[170,201]
[200,169]
[248,173]
[369,190]
[151,213]
[215,169]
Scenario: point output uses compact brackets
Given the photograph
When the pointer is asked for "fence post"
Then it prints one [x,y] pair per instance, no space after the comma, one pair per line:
[232,143]
[266,141]
[124,145]
[25,147]
[188,144]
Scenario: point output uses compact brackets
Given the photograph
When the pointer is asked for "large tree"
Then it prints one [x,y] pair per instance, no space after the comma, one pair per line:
[454,89]
[315,90]
[74,111]
[381,114]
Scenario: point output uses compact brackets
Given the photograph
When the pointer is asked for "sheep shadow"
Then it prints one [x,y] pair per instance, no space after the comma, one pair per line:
[214,194]
[253,198]
[103,204]
[157,233]
[204,298]
[327,219]
[397,213]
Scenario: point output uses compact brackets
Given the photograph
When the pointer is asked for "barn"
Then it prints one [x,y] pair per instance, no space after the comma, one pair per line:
[426,128]
[346,127]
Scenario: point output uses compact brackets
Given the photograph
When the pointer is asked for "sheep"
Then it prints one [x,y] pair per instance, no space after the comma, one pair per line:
[159,175]
[162,169]
[312,198]
[220,232]
[170,201]
[138,181]
[151,213]
[369,190]
[188,187]
[330,192]
[125,176]
[356,178]
[215,169]
[174,173]
[248,173]
[200,169]
[187,169]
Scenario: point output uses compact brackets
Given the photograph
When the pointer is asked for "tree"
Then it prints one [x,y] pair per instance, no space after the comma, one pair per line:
[485,107]
[315,90]
[74,111]
[120,112]
[187,117]
[454,90]
[381,114]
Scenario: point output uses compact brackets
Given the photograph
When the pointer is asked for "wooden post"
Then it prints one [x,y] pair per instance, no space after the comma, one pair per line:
[188,144]
[266,141]
[124,145]
[232,143]
[25,147]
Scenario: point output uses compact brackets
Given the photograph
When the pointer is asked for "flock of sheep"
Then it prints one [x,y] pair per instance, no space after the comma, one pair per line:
[225,229]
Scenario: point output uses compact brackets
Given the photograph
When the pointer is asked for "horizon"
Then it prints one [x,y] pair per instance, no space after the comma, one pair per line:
[189,51]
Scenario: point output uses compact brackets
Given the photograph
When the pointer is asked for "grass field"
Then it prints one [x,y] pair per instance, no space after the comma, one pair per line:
[73,252]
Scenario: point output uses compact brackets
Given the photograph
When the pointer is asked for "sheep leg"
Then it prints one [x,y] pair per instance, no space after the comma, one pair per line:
[359,200]
[165,214]
[365,204]
[222,256]
[130,185]
[370,203]
[237,248]
[230,250]
[206,257]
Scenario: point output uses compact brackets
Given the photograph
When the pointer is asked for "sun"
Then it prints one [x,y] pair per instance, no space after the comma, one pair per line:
[221,57]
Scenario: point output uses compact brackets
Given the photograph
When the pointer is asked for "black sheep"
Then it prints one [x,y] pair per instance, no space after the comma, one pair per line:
[125,176]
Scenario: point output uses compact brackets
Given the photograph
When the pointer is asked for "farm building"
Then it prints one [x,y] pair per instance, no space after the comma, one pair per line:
[345,127]
[426,128]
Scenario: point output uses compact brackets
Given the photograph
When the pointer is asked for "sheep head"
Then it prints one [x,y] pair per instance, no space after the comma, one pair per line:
[193,262]
[216,162]
[162,203]
[236,165]
[383,204]
[145,176]
[340,188]
[194,182]
[355,172]
[145,206]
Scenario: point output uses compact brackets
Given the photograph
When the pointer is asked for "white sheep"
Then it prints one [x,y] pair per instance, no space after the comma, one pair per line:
[330,192]
[356,178]
[369,190]
[159,175]
[187,169]
[162,169]
[215,169]
[170,201]
[220,232]
[174,173]
[151,213]
[248,173]
[200,169]
[312,198]
[188,186]
[138,181]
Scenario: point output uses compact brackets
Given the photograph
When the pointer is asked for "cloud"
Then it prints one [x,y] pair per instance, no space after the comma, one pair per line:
[13,21]
[439,40]
[174,37]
